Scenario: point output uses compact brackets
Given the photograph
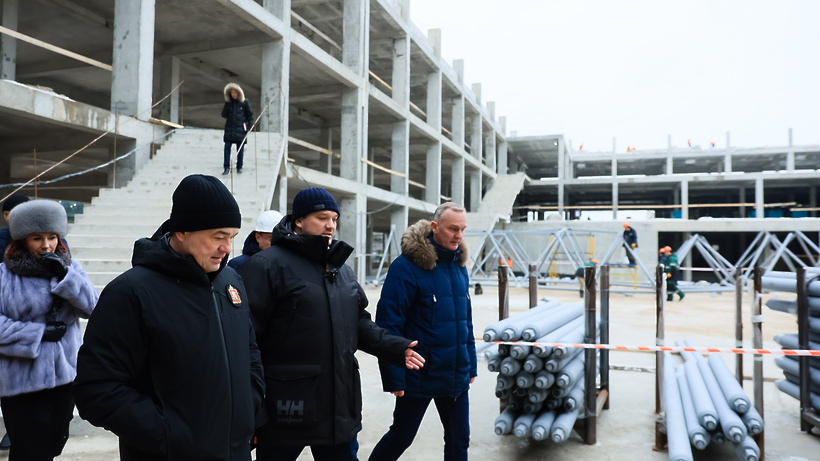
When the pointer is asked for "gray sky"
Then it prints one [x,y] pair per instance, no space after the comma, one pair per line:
[640,70]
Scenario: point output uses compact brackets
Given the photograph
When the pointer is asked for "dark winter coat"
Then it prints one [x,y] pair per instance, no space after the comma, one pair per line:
[237,114]
[170,362]
[630,236]
[310,318]
[249,248]
[5,239]
[28,293]
[426,296]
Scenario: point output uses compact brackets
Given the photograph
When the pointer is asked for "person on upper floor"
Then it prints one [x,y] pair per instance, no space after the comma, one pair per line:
[238,121]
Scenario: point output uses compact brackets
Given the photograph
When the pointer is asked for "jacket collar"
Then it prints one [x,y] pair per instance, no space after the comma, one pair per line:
[155,253]
[419,246]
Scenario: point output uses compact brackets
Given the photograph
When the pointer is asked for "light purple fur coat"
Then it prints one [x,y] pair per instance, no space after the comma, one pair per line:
[28,364]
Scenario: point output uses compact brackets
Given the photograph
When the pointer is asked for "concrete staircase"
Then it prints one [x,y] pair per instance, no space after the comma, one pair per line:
[497,204]
[102,238]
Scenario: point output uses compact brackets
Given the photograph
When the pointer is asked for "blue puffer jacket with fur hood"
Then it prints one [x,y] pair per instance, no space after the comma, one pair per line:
[426,297]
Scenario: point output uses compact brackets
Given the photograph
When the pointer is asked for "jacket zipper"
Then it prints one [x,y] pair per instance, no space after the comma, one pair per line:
[224,353]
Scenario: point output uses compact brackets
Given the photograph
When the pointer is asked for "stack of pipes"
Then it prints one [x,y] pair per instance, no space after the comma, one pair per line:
[542,385]
[704,403]
[787,282]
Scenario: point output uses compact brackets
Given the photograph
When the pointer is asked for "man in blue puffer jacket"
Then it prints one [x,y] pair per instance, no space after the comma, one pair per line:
[426,296]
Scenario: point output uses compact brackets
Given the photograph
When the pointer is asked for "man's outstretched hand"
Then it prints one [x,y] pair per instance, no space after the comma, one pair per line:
[412,359]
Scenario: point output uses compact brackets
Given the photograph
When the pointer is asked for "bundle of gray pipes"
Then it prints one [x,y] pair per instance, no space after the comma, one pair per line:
[542,386]
[787,282]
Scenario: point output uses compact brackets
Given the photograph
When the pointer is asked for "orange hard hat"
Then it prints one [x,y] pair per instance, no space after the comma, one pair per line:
[662,250]
[667,249]
[595,261]
[626,224]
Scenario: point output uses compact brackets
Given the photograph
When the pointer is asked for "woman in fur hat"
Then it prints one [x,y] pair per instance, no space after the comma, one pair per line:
[43,294]
[238,120]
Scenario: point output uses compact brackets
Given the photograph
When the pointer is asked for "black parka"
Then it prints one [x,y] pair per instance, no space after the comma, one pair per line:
[170,363]
[310,318]
[237,114]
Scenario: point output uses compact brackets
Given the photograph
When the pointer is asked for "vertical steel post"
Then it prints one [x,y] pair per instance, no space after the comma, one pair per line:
[503,293]
[739,325]
[803,343]
[605,332]
[660,298]
[757,343]
[533,285]
[591,392]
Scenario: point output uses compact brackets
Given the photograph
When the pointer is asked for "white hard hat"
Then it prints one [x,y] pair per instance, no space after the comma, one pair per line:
[267,221]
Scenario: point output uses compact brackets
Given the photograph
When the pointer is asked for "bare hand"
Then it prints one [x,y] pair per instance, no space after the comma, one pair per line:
[412,359]
[398,393]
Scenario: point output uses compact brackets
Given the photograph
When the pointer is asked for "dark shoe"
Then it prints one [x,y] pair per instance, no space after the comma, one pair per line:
[239,170]
[226,171]
[681,294]
[581,293]
[670,297]
[5,444]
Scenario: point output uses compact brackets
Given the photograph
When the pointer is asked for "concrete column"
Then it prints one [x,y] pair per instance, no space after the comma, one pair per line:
[742,199]
[759,198]
[489,149]
[475,190]
[122,171]
[399,219]
[614,171]
[168,81]
[477,93]
[476,140]
[432,180]
[354,101]
[434,101]
[564,172]
[326,161]
[457,180]
[687,261]
[503,160]
[812,200]
[684,200]
[275,86]
[133,60]
[790,161]
[400,159]
[458,129]
[728,140]
[727,162]
[8,45]
[352,223]
[401,71]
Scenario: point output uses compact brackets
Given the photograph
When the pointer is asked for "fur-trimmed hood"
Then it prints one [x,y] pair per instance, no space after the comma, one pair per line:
[227,92]
[417,246]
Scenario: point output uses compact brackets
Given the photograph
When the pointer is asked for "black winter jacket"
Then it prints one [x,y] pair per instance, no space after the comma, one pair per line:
[237,114]
[170,362]
[309,315]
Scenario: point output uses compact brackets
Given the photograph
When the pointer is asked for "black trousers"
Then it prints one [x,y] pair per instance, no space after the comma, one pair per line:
[37,423]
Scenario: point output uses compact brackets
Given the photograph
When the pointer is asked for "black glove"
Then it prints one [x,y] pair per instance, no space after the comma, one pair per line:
[54,331]
[55,264]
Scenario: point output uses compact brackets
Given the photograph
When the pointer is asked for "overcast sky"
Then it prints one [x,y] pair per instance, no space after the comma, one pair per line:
[641,70]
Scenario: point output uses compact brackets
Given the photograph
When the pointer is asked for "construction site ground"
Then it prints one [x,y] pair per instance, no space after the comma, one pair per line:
[626,431]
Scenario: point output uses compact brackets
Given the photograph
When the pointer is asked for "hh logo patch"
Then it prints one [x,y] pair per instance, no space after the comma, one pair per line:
[290,411]
[233,293]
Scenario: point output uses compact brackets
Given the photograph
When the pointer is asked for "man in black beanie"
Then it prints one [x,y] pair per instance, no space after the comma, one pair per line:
[170,362]
[309,315]
[5,239]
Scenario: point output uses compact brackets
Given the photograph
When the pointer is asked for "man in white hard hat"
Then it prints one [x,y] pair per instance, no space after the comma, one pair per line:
[259,239]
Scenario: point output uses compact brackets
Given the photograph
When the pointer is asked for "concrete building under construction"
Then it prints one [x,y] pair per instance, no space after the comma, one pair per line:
[112,102]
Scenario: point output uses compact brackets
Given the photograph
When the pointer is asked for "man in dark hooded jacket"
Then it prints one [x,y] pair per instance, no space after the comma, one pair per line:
[309,315]
[426,295]
[170,363]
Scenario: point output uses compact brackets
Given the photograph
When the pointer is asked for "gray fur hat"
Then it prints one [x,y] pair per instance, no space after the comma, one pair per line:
[37,216]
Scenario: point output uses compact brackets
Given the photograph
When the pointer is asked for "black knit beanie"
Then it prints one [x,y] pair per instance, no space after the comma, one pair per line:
[13,201]
[203,202]
[313,199]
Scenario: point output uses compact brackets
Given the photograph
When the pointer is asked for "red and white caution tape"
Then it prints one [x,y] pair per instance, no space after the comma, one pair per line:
[725,350]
